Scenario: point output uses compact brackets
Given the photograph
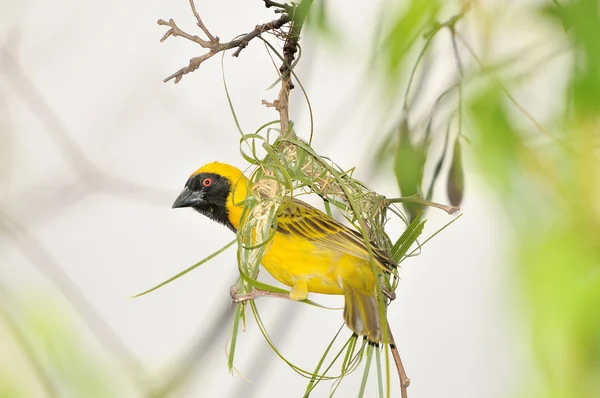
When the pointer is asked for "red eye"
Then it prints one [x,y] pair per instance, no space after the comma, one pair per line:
[207,182]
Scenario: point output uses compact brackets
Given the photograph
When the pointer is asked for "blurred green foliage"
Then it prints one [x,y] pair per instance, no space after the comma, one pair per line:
[550,191]
[497,139]
[55,353]
[407,23]
[581,21]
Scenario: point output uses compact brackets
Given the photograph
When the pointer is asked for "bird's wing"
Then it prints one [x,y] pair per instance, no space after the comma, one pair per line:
[300,219]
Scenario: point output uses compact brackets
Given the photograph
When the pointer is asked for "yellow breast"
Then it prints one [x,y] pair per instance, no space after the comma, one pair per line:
[290,259]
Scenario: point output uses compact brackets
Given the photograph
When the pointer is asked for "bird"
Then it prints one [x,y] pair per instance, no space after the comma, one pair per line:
[309,252]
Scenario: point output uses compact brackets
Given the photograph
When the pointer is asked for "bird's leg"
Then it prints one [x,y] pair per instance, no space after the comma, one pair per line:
[238,297]
[299,290]
[299,293]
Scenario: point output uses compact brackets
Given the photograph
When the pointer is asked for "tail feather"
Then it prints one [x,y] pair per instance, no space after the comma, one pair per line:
[362,315]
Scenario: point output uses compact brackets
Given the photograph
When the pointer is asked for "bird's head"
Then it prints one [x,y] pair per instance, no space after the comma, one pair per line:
[216,190]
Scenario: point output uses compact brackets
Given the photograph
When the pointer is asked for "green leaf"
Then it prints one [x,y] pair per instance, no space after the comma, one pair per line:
[431,237]
[582,19]
[265,334]
[409,162]
[193,267]
[320,21]
[560,269]
[405,28]
[408,237]
[365,377]
[496,144]
[379,372]
[314,380]
[456,181]
[229,101]
[234,333]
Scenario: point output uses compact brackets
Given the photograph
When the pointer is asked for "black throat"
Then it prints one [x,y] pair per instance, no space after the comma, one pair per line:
[214,204]
[216,213]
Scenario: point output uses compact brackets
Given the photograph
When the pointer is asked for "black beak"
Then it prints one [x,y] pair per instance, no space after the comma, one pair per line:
[188,198]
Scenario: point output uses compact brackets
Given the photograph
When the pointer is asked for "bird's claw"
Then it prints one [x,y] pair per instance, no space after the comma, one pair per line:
[390,294]
[238,297]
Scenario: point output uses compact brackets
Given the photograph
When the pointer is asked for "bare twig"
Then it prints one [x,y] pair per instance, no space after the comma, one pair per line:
[213,44]
[201,24]
[291,13]
[404,380]
[283,6]
[416,199]
[290,48]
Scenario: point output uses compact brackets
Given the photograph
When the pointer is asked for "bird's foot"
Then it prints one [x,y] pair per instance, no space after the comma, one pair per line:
[238,297]
[255,293]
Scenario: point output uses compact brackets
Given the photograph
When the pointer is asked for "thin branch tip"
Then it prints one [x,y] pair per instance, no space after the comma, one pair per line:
[212,44]
[452,210]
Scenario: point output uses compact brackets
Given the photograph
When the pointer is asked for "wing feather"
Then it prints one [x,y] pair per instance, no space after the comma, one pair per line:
[300,219]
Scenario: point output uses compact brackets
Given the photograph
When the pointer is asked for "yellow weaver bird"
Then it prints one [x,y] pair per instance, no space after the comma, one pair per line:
[310,251]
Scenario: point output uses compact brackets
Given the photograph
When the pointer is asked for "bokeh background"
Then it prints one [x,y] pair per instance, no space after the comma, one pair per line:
[94,148]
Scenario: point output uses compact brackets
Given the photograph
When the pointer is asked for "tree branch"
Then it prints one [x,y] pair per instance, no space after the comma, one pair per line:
[290,48]
[212,44]
[417,199]
[295,14]
[283,7]
[201,24]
